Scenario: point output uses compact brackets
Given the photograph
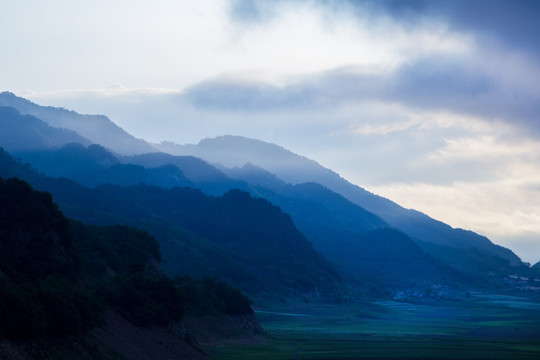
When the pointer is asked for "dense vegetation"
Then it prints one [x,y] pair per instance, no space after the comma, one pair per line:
[318,212]
[271,246]
[95,165]
[57,275]
[207,296]
[39,268]
[243,241]
[337,228]
[390,259]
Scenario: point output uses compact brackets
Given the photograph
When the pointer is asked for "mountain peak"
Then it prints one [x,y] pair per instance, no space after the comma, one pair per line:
[236,151]
[27,132]
[97,128]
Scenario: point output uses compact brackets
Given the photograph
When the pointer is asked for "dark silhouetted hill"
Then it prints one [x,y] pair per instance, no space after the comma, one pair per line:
[329,210]
[50,269]
[68,290]
[94,165]
[202,175]
[333,224]
[236,151]
[271,246]
[199,234]
[391,259]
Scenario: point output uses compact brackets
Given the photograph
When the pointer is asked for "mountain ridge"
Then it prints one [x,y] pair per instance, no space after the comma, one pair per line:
[27,132]
[163,213]
[285,165]
[97,128]
[336,227]
[70,290]
[324,205]
[278,161]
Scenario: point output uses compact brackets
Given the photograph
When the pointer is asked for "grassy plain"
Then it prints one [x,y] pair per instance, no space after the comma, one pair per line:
[482,326]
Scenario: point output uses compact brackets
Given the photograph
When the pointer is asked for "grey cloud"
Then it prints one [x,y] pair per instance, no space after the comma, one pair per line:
[441,84]
[510,22]
[255,12]
[326,89]
[245,96]
[430,83]
[245,11]
[434,83]
[514,23]
[439,77]
[459,88]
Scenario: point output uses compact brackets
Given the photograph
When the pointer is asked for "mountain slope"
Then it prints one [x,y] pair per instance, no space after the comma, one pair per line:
[206,177]
[391,258]
[50,266]
[308,203]
[295,169]
[197,233]
[335,226]
[97,128]
[271,245]
[321,214]
[94,165]
[26,132]
[362,245]
[72,291]
[236,151]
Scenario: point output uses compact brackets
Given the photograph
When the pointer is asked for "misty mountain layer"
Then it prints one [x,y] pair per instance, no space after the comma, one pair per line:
[342,221]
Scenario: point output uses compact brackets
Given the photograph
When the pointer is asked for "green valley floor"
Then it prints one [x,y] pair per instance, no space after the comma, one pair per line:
[473,326]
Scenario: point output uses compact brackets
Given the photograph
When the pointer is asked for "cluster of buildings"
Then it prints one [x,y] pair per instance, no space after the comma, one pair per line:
[523,283]
[434,291]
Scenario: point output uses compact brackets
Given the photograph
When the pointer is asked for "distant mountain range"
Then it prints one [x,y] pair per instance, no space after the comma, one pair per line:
[334,225]
[366,238]
[243,241]
[235,151]
[28,133]
[96,128]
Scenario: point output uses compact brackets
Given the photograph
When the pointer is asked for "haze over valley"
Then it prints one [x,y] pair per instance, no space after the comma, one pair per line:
[443,95]
[238,179]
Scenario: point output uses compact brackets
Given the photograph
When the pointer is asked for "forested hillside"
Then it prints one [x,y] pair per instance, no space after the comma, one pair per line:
[57,276]
[246,242]
[69,289]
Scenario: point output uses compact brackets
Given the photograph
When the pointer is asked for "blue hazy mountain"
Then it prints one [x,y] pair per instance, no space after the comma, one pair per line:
[389,257]
[337,228]
[203,176]
[308,202]
[332,213]
[93,165]
[96,128]
[434,236]
[26,132]
[246,242]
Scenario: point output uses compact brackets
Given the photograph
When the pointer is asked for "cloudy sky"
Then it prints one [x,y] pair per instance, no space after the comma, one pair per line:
[434,104]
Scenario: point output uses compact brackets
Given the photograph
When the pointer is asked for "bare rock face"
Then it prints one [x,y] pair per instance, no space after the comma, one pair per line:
[247,321]
[134,343]
[153,266]
[179,329]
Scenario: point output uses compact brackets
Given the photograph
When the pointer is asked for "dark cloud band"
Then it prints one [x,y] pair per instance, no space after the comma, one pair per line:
[430,83]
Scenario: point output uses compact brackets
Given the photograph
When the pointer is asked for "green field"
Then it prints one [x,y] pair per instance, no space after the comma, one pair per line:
[484,326]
